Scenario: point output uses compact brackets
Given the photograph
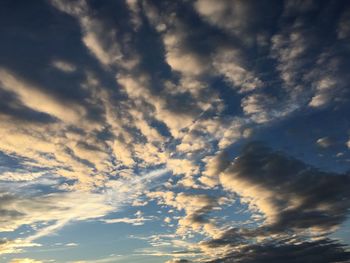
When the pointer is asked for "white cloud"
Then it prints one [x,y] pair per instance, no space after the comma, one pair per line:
[325,88]
[59,209]
[25,260]
[72,244]
[64,66]
[324,142]
[135,10]
[138,221]
[196,207]
[229,63]
[235,17]
[97,37]
[38,99]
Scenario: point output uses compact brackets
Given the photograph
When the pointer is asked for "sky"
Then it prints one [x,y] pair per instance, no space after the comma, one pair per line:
[162,131]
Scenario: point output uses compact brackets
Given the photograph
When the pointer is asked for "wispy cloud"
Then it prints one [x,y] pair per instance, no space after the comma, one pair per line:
[64,208]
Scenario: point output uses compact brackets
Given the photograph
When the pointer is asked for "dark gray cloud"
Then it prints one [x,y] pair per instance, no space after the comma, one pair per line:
[321,251]
[297,195]
[299,203]
[179,261]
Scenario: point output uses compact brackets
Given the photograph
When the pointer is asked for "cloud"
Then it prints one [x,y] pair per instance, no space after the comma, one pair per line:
[39,100]
[234,17]
[71,244]
[291,194]
[97,37]
[137,221]
[178,261]
[343,27]
[197,208]
[179,54]
[259,107]
[59,209]
[297,47]
[229,63]
[17,211]
[111,258]
[322,97]
[172,88]
[179,57]
[25,260]
[324,142]
[64,66]
[182,166]
[15,246]
[299,203]
[133,221]
[322,251]
[135,10]
[54,147]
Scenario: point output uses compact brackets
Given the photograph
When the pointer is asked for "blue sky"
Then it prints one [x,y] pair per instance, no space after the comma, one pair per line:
[174,131]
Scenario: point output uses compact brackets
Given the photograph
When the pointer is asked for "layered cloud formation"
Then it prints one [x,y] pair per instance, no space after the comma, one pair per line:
[299,205]
[225,122]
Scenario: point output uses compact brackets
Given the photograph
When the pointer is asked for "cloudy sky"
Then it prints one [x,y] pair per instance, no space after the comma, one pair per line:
[163,131]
